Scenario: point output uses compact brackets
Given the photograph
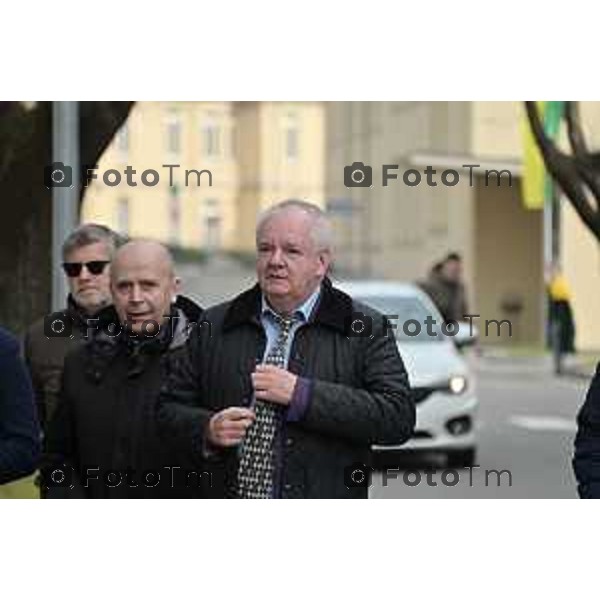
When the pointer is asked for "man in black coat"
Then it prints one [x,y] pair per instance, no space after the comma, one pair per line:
[446,288]
[586,461]
[102,441]
[278,395]
[86,253]
[19,429]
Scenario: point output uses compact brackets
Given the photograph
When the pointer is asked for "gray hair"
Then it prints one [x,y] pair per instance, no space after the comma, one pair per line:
[320,231]
[92,233]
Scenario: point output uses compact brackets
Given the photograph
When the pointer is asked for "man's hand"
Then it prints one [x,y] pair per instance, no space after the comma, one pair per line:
[273,384]
[228,427]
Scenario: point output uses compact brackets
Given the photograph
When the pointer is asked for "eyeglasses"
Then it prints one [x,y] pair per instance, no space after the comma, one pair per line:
[95,267]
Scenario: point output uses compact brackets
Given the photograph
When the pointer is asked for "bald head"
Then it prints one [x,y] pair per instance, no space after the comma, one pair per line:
[143,284]
[138,252]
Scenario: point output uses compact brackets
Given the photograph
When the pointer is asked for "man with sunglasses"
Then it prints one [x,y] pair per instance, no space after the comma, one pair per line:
[87,253]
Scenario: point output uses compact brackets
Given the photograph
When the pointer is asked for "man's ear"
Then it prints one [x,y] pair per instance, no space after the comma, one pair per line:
[325,260]
[176,287]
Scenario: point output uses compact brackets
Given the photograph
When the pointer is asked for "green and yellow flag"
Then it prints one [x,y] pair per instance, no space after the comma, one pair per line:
[535,182]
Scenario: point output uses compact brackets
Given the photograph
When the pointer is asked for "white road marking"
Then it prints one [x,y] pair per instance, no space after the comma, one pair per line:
[543,423]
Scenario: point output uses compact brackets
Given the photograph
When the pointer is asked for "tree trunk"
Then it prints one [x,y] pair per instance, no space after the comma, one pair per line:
[26,223]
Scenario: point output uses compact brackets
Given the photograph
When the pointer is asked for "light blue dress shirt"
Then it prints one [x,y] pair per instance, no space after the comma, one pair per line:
[267,318]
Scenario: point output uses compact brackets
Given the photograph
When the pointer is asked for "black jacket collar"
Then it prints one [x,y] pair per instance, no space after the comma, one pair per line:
[333,310]
[78,316]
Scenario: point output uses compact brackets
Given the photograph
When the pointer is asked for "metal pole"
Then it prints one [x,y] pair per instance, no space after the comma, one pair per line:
[548,331]
[555,225]
[556,264]
[552,264]
[65,190]
[367,203]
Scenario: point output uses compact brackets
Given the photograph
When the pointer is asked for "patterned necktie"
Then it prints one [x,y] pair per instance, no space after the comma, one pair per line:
[257,459]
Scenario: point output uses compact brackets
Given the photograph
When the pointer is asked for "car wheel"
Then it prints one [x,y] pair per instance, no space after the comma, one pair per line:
[461,459]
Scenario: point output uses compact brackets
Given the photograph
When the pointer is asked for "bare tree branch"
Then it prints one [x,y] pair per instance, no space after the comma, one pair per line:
[574,131]
[571,172]
[585,162]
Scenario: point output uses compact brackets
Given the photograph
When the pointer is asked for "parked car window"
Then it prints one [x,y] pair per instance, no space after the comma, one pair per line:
[407,309]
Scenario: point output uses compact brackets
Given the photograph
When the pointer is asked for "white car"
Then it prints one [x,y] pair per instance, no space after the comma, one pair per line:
[440,378]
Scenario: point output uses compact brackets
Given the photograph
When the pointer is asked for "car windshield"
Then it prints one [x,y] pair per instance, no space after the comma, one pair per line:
[412,319]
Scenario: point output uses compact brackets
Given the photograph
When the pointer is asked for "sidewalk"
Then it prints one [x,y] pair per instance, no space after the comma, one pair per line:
[523,361]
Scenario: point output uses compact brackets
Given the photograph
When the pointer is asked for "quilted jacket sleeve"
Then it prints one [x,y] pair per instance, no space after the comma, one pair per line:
[181,421]
[380,411]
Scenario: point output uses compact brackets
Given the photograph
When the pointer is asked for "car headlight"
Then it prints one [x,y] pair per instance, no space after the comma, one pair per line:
[457,384]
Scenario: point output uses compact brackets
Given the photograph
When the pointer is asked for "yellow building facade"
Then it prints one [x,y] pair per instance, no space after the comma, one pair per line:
[496,132]
[205,169]
[397,231]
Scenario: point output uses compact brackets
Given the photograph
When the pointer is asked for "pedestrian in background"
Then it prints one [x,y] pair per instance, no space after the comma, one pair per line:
[445,286]
[561,313]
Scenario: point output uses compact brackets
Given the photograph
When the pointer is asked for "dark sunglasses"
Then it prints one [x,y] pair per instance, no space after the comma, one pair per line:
[95,267]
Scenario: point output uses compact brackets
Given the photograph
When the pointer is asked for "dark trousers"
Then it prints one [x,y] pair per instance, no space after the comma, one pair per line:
[562,316]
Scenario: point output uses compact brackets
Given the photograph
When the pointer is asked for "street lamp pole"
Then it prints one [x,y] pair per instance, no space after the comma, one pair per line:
[552,265]
[556,265]
[65,198]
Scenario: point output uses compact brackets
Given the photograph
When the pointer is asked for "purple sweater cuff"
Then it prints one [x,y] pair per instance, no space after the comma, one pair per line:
[300,399]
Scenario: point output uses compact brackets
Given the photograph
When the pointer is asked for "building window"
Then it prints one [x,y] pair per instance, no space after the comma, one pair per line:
[233,142]
[211,224]
[211,204]
[123,216]
[122,141]
[173,133]
[174,216]
[292,135]
[211,143]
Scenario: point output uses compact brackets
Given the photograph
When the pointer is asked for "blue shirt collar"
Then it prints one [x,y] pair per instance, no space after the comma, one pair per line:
[304,310]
